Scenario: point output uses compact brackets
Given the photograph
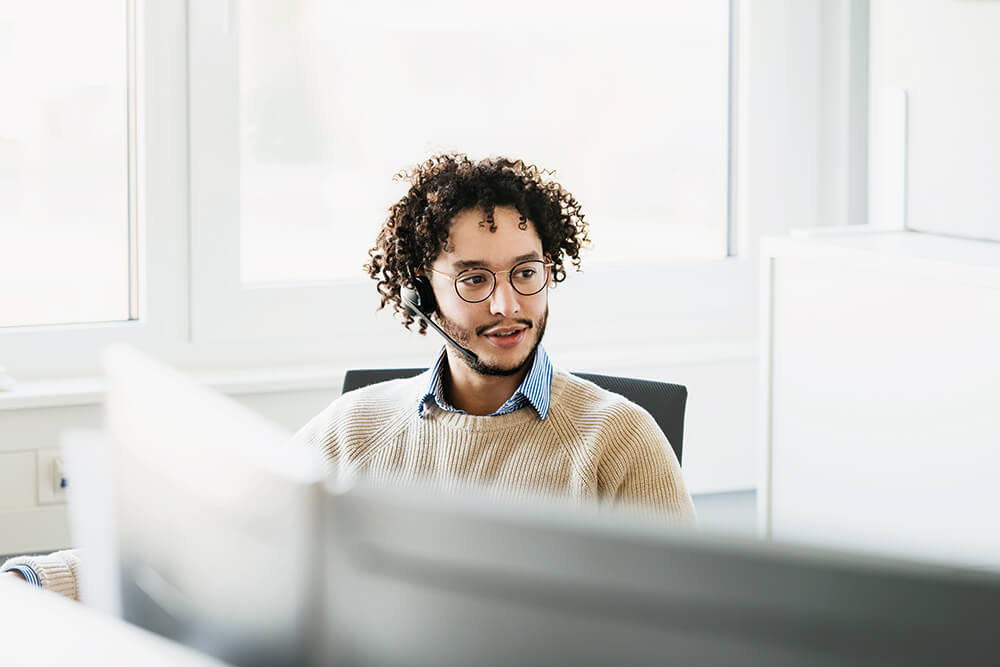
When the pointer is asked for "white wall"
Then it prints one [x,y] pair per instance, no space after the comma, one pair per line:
[882,422]
[25,524]
[945,55]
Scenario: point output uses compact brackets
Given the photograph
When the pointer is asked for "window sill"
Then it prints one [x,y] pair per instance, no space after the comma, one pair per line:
[90,390]
[637,360]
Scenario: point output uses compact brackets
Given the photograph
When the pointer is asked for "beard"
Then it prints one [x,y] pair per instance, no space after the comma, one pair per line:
[464,337]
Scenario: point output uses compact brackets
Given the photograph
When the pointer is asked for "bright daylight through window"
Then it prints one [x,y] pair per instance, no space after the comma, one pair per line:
[64,221]
[629,106]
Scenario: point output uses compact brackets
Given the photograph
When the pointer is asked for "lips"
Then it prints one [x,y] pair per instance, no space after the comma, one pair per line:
[506,337]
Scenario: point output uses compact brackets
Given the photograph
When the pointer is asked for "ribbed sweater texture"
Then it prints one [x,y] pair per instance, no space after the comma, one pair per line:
[594,447]
[58,571]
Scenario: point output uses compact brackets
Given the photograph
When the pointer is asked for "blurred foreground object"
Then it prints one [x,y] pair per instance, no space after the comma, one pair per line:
[212,499]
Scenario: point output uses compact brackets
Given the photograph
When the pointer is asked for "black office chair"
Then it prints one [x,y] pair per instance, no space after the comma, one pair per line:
[665,401]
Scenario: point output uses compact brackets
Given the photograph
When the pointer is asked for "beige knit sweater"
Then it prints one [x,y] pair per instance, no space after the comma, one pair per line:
[595,447]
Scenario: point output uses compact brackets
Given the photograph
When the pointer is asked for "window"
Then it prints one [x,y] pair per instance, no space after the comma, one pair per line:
[64,163]
[244,265]
[629,106]
[301,112]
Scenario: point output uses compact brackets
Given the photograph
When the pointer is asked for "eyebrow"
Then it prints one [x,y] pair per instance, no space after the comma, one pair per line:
[475,263]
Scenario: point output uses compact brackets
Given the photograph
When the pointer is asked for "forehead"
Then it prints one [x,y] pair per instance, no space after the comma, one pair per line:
[471,241]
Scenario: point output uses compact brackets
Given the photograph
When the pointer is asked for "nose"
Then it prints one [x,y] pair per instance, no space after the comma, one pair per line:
[504,300]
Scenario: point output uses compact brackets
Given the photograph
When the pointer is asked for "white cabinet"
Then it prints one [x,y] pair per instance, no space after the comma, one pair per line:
[881,396]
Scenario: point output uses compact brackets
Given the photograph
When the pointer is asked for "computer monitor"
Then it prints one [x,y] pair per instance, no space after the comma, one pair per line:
[217,514]
[417,578]
[231,542]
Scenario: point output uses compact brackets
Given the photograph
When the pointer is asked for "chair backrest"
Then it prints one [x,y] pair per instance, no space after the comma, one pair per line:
[664,401]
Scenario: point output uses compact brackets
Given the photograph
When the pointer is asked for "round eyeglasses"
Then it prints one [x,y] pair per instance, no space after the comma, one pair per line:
[477,284]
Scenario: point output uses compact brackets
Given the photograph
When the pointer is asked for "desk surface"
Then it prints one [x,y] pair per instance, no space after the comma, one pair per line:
[42,628]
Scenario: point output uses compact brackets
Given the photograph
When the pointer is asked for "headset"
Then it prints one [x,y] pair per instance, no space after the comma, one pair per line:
[419,301]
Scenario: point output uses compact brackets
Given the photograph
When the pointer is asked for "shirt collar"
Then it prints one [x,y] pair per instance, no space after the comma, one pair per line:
[534,390]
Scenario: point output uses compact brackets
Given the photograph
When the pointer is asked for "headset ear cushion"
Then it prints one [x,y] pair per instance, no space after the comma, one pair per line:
[428,303]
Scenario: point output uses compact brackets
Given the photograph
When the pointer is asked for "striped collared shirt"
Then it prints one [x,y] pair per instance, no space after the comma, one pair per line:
[535,390]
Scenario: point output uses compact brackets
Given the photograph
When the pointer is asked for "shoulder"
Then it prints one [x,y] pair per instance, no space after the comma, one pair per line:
[634,462]
[592,407]
[364,410]
[615,429]
[382,396]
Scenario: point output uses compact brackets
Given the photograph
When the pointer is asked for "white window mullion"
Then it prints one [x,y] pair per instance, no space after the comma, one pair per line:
[214,144]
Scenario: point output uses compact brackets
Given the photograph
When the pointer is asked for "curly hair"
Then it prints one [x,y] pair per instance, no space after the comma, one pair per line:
[416,231]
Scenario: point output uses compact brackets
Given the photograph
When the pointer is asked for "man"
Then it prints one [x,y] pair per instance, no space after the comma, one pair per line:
[478,245]
[482,242]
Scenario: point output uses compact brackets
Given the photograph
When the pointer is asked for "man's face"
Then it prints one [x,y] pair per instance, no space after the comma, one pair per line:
[505,329]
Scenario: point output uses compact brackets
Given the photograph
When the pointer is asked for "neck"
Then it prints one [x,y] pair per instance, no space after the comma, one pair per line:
[475,393]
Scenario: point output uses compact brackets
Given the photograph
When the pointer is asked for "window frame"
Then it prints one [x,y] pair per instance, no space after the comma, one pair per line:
[224,309]
[196,314]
